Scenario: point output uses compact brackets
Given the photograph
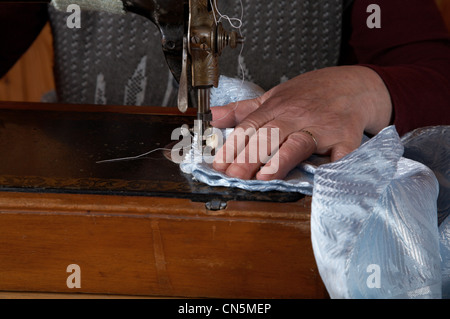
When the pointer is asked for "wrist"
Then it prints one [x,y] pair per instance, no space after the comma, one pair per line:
[379,112]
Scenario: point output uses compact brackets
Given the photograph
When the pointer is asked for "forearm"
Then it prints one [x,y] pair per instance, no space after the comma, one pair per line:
[411,53]
[20,24]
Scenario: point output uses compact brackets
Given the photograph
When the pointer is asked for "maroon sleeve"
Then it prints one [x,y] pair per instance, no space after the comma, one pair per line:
[411,53]
[20,24]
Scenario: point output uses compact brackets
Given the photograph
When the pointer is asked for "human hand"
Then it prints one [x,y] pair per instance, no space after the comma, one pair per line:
[324,112]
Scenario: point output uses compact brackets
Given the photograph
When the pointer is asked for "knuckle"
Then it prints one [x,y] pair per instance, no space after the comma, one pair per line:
[249,124]
[300,140]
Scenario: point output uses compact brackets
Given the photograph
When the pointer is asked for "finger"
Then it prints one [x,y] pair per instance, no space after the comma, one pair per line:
[232,114]
[242,133]
[259,150]
[234,145]
[298,147]
[342,149]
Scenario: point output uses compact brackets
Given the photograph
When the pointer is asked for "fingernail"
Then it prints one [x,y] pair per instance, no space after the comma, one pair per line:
[221,167]
[237,172]
[264,177]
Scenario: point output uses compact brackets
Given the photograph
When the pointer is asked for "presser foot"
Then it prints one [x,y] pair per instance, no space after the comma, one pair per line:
[206,145]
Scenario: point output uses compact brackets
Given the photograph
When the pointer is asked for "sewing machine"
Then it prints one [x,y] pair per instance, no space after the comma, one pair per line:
[192,39]
[143,227]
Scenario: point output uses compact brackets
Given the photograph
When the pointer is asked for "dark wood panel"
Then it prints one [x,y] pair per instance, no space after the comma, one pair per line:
[140,228]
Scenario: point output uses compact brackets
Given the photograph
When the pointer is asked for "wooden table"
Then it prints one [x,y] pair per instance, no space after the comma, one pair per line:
[136,228]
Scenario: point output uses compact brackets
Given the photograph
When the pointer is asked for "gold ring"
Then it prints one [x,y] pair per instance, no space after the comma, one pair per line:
[312,136]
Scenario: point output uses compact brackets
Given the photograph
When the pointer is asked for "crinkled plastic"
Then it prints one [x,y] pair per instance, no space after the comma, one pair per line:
[379,220]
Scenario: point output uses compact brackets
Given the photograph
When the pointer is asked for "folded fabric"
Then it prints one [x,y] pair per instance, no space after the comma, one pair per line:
[374,225]
[232,90]
[379,216]
[300,179]
[444,241]
[431,146]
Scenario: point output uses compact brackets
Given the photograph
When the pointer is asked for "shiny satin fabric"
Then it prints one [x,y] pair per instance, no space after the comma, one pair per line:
[374,224]
[431,146]
[300,179]
[379,216]
[444,241]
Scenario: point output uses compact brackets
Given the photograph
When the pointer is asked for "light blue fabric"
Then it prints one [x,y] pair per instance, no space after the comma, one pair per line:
[379,216]
[431,146]
[300,179]
[444,238]
[375,209]
[232,90]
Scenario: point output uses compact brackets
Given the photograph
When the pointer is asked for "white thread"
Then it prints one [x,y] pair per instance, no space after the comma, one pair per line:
[238,27]
[226,17]
[130,158]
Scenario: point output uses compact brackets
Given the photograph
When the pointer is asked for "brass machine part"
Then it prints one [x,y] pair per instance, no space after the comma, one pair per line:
[205,40]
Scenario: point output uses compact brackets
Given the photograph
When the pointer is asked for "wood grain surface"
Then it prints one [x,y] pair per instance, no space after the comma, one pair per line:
[147,246]
[136,245]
